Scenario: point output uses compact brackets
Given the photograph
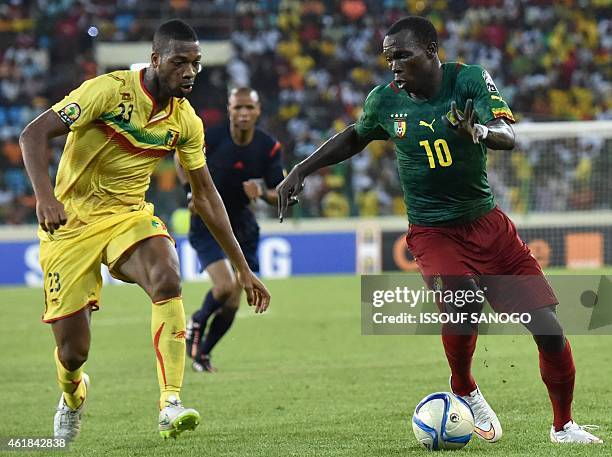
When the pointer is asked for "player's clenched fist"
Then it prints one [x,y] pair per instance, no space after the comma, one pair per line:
[50,214]
[252,189]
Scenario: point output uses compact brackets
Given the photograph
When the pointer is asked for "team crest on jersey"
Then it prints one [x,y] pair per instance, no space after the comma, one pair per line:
[171,138]
[399,124]
[400,128]
[70,113]
[489,81]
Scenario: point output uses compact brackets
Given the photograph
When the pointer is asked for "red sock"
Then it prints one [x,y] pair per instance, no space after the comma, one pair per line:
[459,350]
[558,373]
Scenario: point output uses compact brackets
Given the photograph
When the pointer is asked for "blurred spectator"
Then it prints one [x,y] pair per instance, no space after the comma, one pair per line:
[550,62]
[314,62]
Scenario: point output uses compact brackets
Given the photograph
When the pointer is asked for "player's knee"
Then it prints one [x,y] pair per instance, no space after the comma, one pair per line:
[231,306]
[224,291]
[73,357]
[466,302]
[166,284]
[550,343]
[544,323]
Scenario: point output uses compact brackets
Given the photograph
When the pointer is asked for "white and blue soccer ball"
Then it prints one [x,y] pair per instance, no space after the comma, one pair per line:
[443,420]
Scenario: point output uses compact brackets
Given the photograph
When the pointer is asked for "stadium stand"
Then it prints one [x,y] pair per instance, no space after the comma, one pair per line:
[314,62]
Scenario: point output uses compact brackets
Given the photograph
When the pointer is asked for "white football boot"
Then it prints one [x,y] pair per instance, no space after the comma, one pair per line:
[174,419]
[574,433]
[486,423]
[67,421]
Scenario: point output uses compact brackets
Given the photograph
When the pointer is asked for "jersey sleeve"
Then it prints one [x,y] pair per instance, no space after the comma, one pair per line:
[87,102]
[190,147]
[274,171]
[476,83]
[368,126]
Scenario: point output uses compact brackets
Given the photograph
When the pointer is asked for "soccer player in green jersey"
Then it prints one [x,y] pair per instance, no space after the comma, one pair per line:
[442,118]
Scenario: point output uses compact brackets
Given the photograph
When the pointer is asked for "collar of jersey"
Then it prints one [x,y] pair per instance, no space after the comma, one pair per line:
[438,94]
[163,114]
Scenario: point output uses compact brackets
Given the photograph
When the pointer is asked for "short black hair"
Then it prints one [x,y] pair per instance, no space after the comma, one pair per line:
[422,28]
[174,29]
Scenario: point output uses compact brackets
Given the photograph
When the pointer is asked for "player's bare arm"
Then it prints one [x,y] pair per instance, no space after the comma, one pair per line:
[183,179]
[338,148]
[34,141]
[496,134]
[208,204]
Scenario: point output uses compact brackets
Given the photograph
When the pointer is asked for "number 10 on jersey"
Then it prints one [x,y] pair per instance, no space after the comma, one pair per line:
[442,152]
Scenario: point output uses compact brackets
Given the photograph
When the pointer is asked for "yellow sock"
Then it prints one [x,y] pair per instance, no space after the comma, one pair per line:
[168,331]
[71,383]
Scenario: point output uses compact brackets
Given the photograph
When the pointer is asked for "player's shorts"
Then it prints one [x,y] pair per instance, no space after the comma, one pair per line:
[71,265]
[245,229]
[489,250]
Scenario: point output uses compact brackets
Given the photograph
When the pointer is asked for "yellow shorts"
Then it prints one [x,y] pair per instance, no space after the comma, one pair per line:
[71,266]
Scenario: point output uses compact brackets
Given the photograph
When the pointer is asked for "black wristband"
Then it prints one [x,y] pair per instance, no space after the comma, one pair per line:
[187,189]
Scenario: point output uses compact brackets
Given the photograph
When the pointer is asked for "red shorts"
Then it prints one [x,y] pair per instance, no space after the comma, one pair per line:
[489,250]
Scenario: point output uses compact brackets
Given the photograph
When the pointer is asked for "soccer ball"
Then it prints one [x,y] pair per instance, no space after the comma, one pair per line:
[443,421]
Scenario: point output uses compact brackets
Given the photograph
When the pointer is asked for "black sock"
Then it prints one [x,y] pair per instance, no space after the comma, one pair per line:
[209,306]
[218,327]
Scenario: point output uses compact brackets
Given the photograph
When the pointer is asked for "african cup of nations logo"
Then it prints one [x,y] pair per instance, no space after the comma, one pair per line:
[399,124]
[70,113]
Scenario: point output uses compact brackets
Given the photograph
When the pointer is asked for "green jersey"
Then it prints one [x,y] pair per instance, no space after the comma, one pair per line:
[443,175]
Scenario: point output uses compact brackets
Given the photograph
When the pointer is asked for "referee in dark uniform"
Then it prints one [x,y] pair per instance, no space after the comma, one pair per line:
[239,156]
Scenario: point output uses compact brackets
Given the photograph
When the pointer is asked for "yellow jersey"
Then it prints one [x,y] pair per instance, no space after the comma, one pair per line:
[115,144]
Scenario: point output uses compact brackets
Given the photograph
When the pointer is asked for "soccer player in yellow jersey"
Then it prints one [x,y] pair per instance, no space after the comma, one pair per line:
[119,125]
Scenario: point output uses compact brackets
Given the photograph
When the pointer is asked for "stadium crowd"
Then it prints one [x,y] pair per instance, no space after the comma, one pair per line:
[313,63]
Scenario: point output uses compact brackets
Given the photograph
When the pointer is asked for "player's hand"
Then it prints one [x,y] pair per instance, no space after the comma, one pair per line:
[50,213]
[256,292]
[288,190]
[252,189]
[464,122]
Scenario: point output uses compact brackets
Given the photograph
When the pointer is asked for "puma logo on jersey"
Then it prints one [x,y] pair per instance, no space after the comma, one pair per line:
[425,124]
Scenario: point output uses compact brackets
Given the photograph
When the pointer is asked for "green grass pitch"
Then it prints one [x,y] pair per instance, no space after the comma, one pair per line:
[300,380]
